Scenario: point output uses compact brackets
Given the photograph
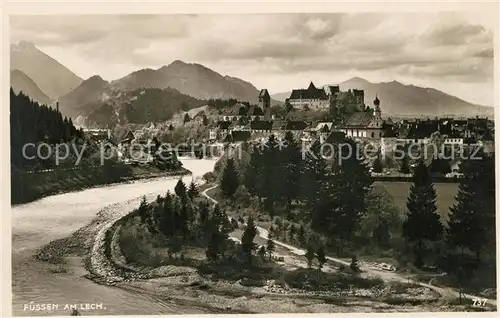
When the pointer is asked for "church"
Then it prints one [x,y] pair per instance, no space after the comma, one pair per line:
[364,124]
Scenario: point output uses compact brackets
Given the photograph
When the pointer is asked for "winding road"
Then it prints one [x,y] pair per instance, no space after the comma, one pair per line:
[445,292]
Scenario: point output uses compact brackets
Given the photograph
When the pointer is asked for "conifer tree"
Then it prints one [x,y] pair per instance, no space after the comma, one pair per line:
[270,245]
[217,215]
[342,205]
[292,232]
[314,178]
[292,169]
[423,222]
[377,165]
[213,249]
[186,217]
[310,255]
[471,222]
[253,172]
[187,118]
[143,210]
[174,246]
[226,226]
[203,212]
[354,264]
[192,191]
[230,181]
[381,219]
[177,219]
[247,238]
[271,178]
[405,165]
[321,256]
[165,219]
[180,189]
[301,235]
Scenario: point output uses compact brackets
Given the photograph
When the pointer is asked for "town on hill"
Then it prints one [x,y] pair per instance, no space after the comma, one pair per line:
[256,163]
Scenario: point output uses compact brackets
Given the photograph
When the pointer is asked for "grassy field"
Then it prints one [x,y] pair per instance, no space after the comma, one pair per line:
[446,193]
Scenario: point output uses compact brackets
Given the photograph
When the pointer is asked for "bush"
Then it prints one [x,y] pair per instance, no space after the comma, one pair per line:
[317,280]
[242,196]
[209,177]
[251,282]
[137,246]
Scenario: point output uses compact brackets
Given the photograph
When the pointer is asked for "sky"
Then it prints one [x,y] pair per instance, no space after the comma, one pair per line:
[450,51]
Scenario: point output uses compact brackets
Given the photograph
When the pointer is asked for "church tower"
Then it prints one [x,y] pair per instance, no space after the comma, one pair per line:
[265,103]
[376,103]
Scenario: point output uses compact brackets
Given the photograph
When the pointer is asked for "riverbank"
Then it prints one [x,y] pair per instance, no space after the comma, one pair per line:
[182,289]
[36,186]
[62,221]
[183,283]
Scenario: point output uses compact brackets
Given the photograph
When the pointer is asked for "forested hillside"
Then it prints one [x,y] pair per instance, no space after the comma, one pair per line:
[142,106]
[31,122]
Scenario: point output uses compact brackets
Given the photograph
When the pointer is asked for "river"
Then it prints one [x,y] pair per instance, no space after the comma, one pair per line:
[37,223]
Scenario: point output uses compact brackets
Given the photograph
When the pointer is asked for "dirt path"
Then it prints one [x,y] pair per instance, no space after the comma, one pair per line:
[445,292]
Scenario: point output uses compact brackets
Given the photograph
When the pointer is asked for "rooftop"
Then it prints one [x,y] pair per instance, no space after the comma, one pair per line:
[310,93]
[358,119]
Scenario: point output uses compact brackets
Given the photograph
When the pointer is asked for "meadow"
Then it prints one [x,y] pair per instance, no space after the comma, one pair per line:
[446,193]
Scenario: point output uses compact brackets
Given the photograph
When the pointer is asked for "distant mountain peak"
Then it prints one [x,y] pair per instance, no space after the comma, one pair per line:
[393,82]
[96,78]
[19,81]
[23,46]
[53,78]
[178,62]
[358,79]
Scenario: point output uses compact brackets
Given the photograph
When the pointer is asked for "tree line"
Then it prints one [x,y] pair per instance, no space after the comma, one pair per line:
[31,122]
[330,196]
[337,201]
[183,219]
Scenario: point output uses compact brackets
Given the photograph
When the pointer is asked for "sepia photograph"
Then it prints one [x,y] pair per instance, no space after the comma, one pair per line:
[252,163]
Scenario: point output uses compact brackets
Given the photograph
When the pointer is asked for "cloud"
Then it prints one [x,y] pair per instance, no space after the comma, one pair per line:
[459,34]
[448,46]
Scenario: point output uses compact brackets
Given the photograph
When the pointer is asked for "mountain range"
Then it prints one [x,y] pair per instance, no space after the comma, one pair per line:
[397,99]
[21,82]
[53,78]
[191,79]
[46,80]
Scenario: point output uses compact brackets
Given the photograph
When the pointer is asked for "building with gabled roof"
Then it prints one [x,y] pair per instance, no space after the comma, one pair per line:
[329,97]
[237,136]
[261,126]
[363,124]
[295,125]
[312,97]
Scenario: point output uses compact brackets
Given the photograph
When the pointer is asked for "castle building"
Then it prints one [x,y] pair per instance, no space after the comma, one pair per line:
[330,97]
[359,95]
[312,97]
